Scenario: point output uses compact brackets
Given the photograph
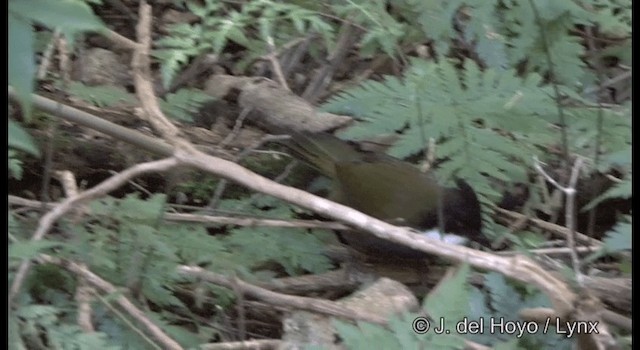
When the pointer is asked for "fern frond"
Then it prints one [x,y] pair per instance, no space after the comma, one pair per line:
[619,190]
[384,31]
[619,238]
[448,305]
[100,96]
[295,250]
[500,301]
[184,104]
[479,118]
[218,28]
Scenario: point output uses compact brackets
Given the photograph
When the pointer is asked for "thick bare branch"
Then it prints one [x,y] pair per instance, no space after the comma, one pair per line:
[519,267]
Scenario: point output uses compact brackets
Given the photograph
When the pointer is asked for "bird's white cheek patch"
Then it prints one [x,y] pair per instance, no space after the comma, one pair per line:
[447,238]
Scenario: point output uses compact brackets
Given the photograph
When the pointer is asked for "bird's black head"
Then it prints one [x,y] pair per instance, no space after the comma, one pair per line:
[462,213]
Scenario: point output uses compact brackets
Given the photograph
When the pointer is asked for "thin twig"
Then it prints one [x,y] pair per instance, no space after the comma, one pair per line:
[570,192]
[83,298]
[264,140]
[326,307]
[556,88]
[570,214]
[126,320]
[613,178]
[603,85]
[236,127]
[122,8]
[91,121]
[120,41]
[240,309]
[538,167]
[196,68]
[70,187]
[84,291]
[289,45]
[135,185]
[599,123]
[51,132]
[430,156]
[215,220]
[316,87]
[127,305]
[293,55]
[552,251]
[222,185]
[45,62]
[275,65]
[63,60]
[281,177]
[217,195]
[140,63]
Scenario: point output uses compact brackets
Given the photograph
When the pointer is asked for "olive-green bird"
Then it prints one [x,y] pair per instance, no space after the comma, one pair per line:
[389,189]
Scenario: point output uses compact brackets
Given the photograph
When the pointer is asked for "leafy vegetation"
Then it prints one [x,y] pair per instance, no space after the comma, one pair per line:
[21,140]
[446,304]
[70,17]
[100,96]
[501,301]
[467,312]
[439,101]
[184,104]
[489,122]
[126,242]
[222,24]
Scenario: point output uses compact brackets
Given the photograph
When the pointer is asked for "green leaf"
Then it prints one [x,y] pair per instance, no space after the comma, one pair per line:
[100,96]
[436,20]
[449,301]
[365,336]
[144,210]
[501,300]
[619,190]
[13,333]
[621,158]
[20,139]
[550,10]
[70,16]
[30,249]
[66,15]
[22,66]
[619,238]
[14,165]
[184,103]
[398,335]
[171,60]
[35,311]
[195,245]
[504,299]
[612,17]
[93,340]
[182,334]
[508,345]
[446,103]
[295,250]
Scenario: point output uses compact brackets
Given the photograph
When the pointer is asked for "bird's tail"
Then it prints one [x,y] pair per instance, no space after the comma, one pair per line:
[320,150]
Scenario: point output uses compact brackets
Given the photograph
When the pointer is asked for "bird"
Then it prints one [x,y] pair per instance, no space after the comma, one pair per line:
[391,190]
